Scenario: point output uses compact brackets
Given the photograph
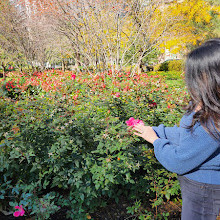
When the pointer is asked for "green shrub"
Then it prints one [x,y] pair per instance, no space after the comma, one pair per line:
[163,66]
[76,153]
[175,65]
[170,65]
[156,67]
[10,89]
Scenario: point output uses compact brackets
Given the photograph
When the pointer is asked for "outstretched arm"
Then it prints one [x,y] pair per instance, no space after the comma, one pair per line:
[150,134]
[170,133]
[193,149]
[145,132]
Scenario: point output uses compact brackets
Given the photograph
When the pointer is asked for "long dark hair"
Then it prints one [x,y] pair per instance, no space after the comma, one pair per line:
[202,76]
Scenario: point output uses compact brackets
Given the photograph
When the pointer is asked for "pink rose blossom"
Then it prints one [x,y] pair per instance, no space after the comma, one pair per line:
[132,122]
[117,94]
[73,76]
[20,211]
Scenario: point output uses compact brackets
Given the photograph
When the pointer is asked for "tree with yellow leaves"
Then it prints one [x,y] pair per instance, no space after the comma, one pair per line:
[194,24]
[105,34]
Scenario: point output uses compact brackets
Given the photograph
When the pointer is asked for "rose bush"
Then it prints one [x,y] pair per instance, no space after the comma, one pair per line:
[20,211]
[67,145]
[132,122]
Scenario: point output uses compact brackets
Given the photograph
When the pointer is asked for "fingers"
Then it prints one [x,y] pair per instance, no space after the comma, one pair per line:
[138,134]
[139,126]
[138,129]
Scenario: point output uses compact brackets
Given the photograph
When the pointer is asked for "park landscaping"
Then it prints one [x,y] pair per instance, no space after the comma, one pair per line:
[65,147]
[73,76]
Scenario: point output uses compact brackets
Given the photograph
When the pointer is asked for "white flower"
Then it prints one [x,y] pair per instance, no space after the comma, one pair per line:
[105,135]
[5,134]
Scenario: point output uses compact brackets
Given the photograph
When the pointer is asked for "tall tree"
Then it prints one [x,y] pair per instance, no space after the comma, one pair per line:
[23,31]
[105,34]
[194,24]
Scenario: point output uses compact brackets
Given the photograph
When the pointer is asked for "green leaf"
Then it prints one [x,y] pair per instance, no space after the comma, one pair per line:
[82,196]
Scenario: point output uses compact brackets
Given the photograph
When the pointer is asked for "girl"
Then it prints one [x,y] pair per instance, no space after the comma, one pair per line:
[192,150]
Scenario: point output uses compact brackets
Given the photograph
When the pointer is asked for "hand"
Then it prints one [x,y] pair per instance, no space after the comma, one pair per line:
[145,132]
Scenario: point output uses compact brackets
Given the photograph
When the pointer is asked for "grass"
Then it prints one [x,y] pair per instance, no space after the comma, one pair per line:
[177,83]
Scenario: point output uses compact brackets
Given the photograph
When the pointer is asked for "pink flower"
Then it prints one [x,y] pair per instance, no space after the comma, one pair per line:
[117,94]
[153,104]
[73,76]
[20,211]
[132,122]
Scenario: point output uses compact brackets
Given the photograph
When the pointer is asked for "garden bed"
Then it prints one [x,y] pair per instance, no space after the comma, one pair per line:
[66,149]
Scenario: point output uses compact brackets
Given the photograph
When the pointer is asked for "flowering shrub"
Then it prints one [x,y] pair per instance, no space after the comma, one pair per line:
[20,211]
[10,89]
[132,122]
[18,84]
[68,146]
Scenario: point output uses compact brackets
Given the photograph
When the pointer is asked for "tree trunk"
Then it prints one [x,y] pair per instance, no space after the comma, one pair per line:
[141,66]
[77,62]
[20,68]
[33,68]
[4,71]
[63,66]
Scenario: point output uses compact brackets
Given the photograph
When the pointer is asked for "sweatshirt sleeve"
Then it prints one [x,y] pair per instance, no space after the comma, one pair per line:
[193,149]
[170,133]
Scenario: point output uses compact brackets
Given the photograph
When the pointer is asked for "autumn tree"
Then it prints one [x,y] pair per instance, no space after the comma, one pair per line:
[103,34]
[8,43]
[13,32]
[113,34]
[24,34]
[194,24]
